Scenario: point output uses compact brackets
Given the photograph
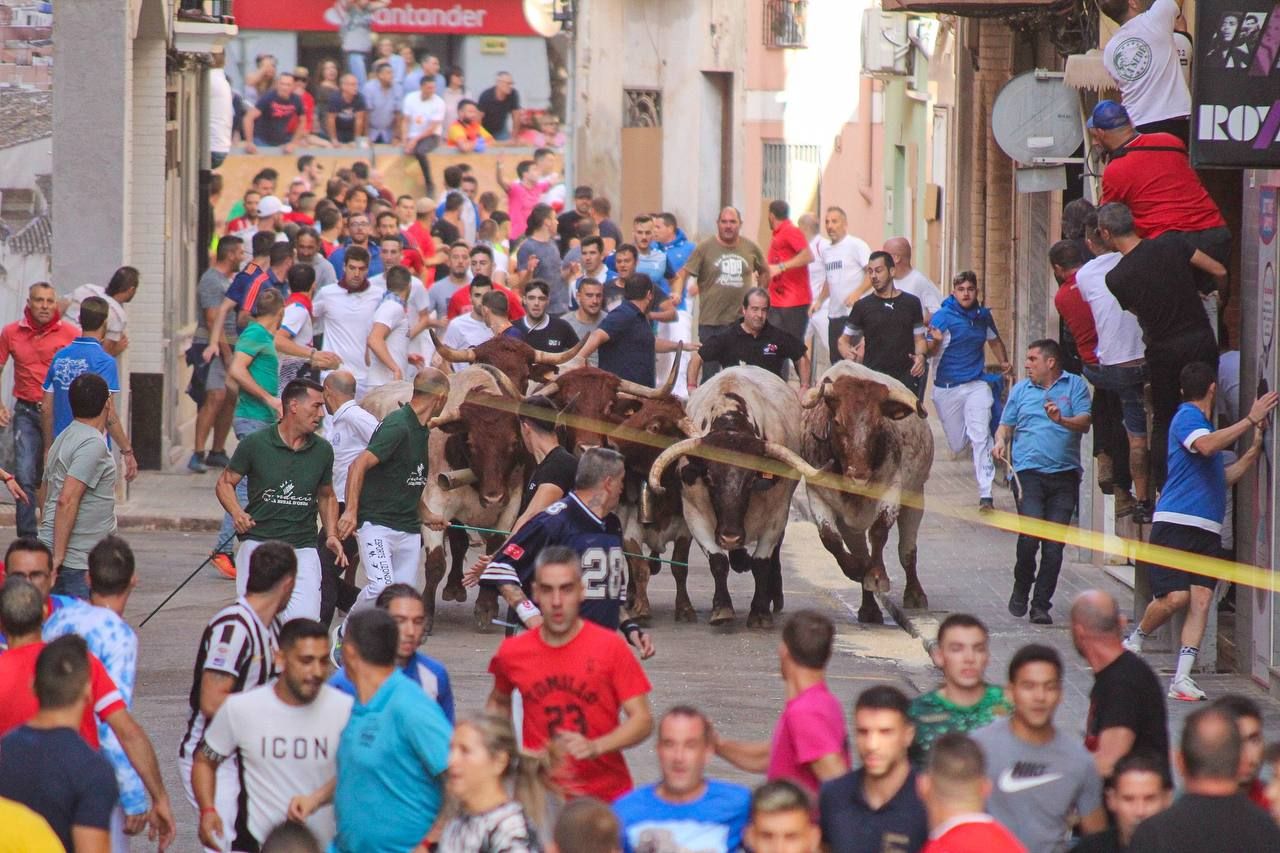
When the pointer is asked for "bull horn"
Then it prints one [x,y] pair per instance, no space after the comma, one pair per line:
[908,399]
[635,389]
[789,457]
[508,385]
[442,419]
[557,358]
[450,480]
[666,457]
[671,377]
[448,353]
[686,426]
[546,389]
[814,395]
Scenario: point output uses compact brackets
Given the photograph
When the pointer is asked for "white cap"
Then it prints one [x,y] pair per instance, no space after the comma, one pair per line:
[269,205]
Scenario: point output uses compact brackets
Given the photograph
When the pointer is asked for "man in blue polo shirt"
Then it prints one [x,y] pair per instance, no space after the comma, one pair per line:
[1045,417]
[625,336]
[1190,512]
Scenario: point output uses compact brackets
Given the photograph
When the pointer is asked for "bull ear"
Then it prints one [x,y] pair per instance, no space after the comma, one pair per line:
[625,407]
[897,410]
[453,427]
[542,372]
[692,472]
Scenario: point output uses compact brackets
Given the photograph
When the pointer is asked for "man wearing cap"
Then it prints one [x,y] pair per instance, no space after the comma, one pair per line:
[271,212]
[1142,58]
[1151,174]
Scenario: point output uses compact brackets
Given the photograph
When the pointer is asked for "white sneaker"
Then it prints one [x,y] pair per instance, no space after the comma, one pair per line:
[1185,690]
[1133,643]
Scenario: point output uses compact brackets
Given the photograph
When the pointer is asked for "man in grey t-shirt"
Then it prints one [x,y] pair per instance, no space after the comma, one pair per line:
[80,486]
[541,244]
[1041,779]
[584,320]
[214,414]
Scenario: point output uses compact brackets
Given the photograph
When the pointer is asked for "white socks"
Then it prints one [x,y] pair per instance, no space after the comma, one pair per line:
[1186,660]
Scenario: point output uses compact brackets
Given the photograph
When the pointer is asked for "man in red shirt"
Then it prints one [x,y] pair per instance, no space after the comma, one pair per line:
[954,787]
[574,676]
[32,343]
[22,608]
[1151,174]
[788,258]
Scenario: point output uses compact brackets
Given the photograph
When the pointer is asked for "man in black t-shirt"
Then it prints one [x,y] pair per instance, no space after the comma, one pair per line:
[539,329]
[1126,705]
[567,223]
[1211,814]
[497,103]
[892,322]
[277,109]
[754,341]
[1155,281]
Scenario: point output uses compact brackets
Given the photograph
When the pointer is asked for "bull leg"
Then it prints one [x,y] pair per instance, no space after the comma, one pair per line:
[740,560]
[877,578]
[913,597]
[762,571]
[458,544]
[486,608]
[655,562]
[775,578]
[854,569]
[434,573]
[684,607]
[721,604]
[637,583]
[869,613]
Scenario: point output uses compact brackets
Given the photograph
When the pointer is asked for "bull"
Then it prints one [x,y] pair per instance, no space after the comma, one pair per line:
[588,396]
[736,513]
[515,358]
[870,429]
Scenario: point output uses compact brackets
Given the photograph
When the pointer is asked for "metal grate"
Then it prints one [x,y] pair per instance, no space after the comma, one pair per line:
[642,108]
[783,164]
[784,23]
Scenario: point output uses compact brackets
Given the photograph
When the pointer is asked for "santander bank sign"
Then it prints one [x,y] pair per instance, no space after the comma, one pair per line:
[456,17]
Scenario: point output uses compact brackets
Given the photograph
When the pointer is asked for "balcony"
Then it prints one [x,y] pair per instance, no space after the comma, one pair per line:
[203,26]
[784,23]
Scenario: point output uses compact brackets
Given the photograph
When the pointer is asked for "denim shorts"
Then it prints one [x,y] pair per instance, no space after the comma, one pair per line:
[1126,380]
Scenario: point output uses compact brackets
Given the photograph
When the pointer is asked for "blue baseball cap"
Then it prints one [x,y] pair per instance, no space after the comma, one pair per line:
[1108,115]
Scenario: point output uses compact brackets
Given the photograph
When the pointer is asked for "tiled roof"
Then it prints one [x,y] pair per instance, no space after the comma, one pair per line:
[25,116]
[34,239]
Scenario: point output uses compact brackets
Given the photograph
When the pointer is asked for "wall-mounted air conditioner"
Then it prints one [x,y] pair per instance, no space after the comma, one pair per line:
[886,46]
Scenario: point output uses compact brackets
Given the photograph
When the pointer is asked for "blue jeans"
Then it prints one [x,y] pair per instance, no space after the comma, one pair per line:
[28,454]
[72,582]
[1051,497]
[357,63]
[1126,381]
[226,534]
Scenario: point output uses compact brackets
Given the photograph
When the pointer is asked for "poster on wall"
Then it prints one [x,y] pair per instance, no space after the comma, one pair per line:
[1236,117]
[1268,262]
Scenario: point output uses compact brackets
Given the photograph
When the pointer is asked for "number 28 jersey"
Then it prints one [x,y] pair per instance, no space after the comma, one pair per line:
[597,540]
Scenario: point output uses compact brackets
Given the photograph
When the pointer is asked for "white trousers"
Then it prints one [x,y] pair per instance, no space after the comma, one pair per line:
[389,556]
[679,329]
[225,799]
[965,412]
[305,601]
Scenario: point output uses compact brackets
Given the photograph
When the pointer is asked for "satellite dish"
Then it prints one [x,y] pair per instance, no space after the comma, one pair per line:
[540,15]
[1037,116]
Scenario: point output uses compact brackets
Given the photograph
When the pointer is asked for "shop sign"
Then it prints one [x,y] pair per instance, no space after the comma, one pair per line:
[1236,112]
[454,17]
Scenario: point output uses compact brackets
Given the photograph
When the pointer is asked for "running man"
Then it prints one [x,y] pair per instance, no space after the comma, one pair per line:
[574,678]
[384,490]
[959,333]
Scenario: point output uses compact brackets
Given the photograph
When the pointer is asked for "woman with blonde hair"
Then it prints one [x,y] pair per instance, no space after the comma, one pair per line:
[501,794]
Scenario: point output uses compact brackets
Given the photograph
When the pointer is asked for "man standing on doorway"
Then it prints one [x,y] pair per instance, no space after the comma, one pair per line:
[789,286]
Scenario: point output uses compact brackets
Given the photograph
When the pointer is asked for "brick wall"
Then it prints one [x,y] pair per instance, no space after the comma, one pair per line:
[990,206]
[147,230]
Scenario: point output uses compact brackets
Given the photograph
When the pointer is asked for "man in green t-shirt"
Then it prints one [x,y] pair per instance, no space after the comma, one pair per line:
[290,474]
[384,490]
[723,268]
[965,701]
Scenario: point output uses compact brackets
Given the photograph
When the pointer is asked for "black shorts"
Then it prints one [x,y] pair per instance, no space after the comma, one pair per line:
[1181,537]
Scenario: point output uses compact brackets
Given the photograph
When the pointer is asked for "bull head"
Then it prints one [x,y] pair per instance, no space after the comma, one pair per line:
[857,409]
[493,448]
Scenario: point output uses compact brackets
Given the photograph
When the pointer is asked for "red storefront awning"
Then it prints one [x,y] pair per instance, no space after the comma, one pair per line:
[454,17]
[964,8]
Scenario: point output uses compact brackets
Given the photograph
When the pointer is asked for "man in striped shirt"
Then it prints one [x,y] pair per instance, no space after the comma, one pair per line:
[237,652]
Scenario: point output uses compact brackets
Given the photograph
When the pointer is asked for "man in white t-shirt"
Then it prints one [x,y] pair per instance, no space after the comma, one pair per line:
[388,352]
[470,329]
[1142,57]
[119,291]
[348,429]
[422,122]
[297,330]
[418,300]
[347,311]
[908,279]
[286,736]
[844,261]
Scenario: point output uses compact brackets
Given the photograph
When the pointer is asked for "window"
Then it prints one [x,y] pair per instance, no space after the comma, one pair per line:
[790,173]
[784,23]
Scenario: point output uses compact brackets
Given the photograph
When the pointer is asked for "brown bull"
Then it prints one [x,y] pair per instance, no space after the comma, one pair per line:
[519,361]
[588,397]
[869,429]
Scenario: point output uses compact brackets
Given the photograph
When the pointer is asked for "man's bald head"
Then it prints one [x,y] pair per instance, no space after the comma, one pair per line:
[1096,612]
[430,382]
[341,382]
[900,247]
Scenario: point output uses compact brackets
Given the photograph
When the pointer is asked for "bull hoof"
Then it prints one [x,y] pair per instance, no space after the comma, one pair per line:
[763,619]
[915,599]
[686,613]
[870,615]
[777,602]
[641,614]
[723,615]
[483,617]
[454,591]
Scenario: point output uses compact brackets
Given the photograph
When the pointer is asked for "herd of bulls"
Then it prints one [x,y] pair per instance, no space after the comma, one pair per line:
[720,470]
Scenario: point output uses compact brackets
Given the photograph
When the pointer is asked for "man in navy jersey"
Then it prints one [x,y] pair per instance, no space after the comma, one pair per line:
[1190,512]
[583,521]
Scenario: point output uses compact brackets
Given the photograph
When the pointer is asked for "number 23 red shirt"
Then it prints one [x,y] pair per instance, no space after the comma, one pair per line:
[578,687]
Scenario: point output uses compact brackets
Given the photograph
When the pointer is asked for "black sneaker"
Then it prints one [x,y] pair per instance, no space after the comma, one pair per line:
[1040,617]
[986,505]
[1018,604]
[217,459]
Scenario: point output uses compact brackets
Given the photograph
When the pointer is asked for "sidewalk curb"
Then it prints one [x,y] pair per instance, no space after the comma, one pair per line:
[129,521]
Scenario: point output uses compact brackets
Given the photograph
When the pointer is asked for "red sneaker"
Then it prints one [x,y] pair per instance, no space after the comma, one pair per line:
[225,565]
